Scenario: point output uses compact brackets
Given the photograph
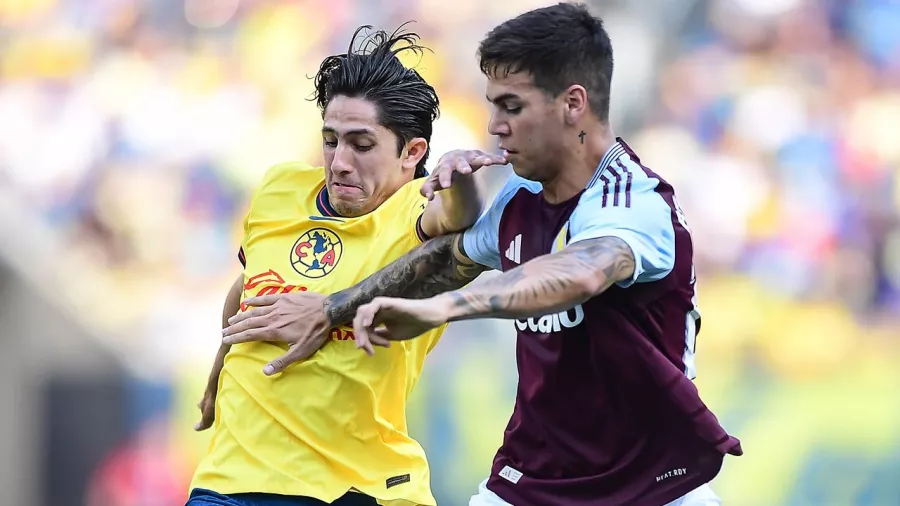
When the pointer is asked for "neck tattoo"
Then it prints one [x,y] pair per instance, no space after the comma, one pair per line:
[581,136]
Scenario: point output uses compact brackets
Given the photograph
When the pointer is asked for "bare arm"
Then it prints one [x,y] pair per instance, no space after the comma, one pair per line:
[207,403]
[549,283]
[438,266]
[230,308]
[304,319]
[454,192]
[546,284]
[454,209]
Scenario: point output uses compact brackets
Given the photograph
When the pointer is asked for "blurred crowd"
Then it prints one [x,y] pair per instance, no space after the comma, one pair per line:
[133,131]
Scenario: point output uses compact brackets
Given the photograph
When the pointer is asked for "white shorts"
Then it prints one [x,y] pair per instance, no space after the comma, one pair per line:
[700,496]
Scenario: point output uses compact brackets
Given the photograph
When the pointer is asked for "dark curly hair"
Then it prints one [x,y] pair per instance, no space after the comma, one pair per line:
[406,104]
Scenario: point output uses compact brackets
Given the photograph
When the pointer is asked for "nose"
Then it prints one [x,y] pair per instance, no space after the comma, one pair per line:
[341,164]
[498,127]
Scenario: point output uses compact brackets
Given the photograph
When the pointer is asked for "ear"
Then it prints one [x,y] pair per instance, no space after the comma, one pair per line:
[575,100]
[413,152]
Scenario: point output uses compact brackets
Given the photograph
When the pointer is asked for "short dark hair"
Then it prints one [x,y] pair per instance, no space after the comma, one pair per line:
[559,46]
[406,104]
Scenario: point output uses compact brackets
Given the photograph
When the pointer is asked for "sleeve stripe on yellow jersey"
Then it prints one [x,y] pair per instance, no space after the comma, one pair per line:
[420,233]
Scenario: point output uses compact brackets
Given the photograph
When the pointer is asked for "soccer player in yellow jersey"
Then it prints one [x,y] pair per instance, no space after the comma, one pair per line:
[331,429]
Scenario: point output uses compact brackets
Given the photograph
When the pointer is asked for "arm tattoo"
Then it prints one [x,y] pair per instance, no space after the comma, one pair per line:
[549,283]
[438,266]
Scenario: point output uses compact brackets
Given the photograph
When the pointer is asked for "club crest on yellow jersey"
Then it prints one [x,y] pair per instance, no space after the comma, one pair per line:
[316,253]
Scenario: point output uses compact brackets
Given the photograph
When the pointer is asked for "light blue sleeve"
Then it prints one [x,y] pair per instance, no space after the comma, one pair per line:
[481,240]
[628,206]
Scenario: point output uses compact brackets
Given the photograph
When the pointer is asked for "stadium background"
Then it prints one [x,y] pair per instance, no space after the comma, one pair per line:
[132,132]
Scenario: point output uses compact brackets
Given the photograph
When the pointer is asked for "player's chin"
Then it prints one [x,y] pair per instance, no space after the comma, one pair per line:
[350,208]
[522,168]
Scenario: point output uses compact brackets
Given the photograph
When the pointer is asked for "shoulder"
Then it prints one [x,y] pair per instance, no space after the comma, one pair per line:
[514,183]
[409,194]
[626,185]
[291,173]
[289,177]
[286,182]
[512,187]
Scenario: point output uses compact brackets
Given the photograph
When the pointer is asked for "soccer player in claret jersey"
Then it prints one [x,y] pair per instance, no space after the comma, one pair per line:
[332,429]
[597,276]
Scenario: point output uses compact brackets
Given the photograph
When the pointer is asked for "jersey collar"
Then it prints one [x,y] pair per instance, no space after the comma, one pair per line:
[324,205]
[612,154]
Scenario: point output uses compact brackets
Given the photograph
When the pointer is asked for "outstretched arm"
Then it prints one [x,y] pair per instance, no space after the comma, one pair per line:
[438,266]
[546,284]
[435,267]
[303,319]
[549,283]
[207,403]
[455,195]
[626,239]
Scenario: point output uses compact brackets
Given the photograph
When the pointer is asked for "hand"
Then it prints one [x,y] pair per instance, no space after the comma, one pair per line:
[386,319]
[299,319]
[460,161]
[207,407]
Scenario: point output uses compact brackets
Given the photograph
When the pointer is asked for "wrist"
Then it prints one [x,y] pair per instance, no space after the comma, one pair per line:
[446,302]
[328,311]
[462,187]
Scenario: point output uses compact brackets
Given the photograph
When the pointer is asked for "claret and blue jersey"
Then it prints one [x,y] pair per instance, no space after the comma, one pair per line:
[606,412]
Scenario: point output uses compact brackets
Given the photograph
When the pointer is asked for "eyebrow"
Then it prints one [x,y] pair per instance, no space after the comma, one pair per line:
[502,98]
[354,131]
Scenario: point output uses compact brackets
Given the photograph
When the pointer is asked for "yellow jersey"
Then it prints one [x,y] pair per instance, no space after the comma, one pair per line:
[336,421]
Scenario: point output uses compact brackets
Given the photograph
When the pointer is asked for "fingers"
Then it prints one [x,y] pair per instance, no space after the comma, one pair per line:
[364,326]
[365,315]
[427,190]
[207,417]
[445,178]
[248,330]
[477,159]
[496,160]
[250,313]
[361,322]
[380,336]
[364,343]
[367,341]
[462,162]
[281,363]
[263,300]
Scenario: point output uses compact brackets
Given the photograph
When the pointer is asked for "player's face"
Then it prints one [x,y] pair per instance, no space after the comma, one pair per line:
[528,123]
[362,168]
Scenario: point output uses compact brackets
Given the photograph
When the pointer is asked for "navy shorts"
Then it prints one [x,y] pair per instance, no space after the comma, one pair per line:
[202,497]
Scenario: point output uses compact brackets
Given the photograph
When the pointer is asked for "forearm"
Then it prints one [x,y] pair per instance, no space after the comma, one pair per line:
[230,308]
[212,381]
[547,284]
[436,267]
[461,204]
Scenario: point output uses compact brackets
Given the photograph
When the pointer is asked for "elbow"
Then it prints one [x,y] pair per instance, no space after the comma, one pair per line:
[586,285]
[593,282]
